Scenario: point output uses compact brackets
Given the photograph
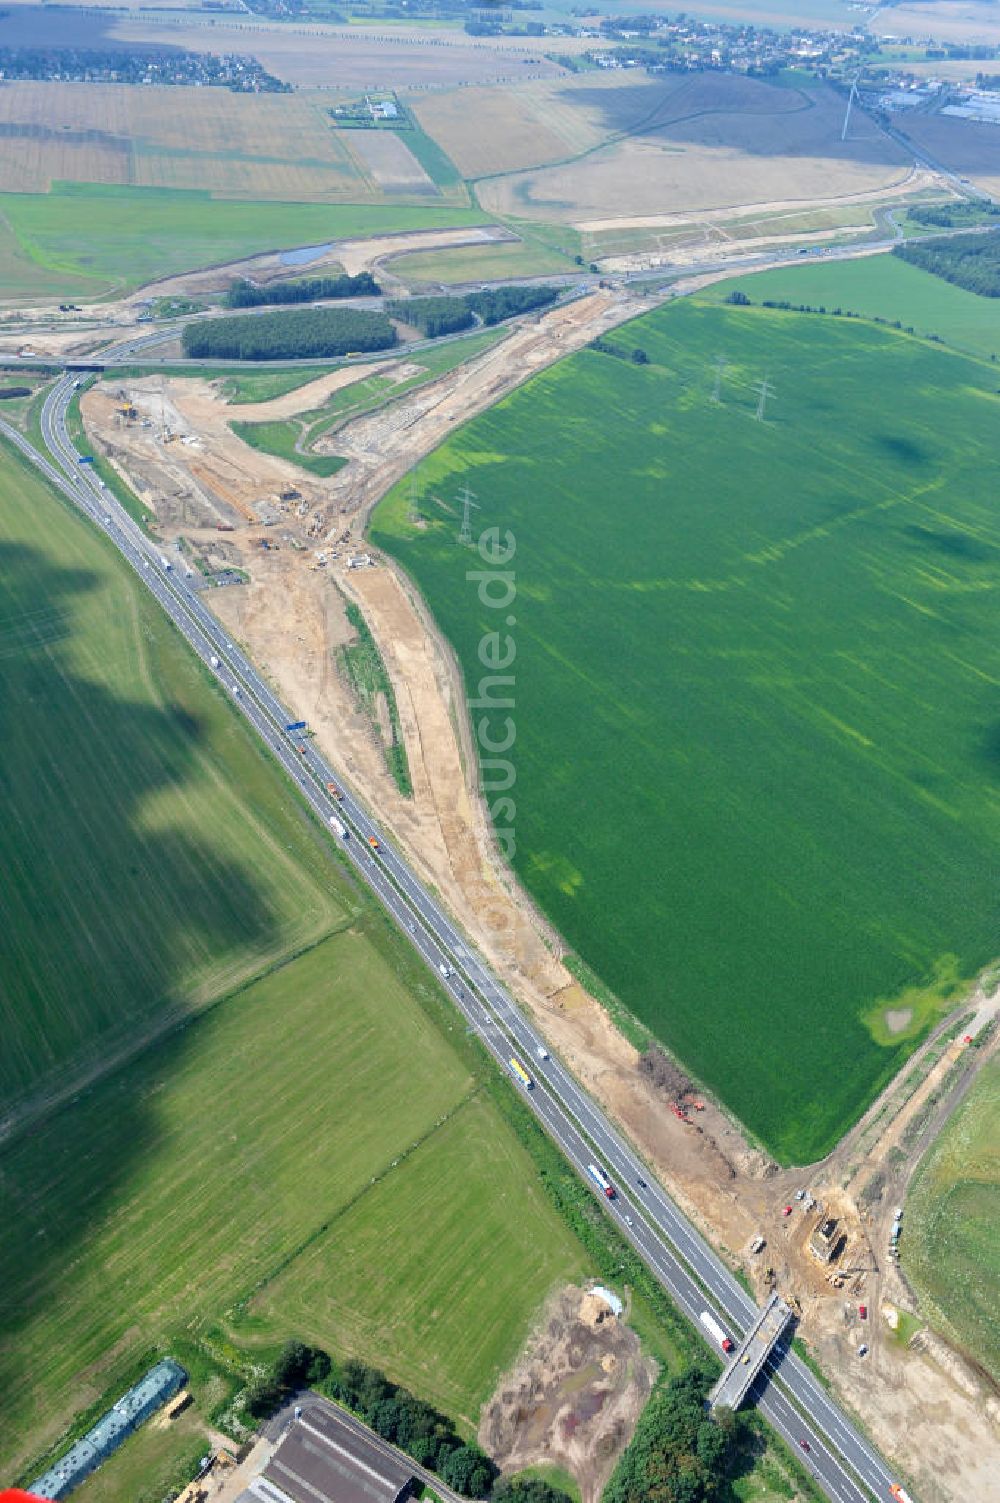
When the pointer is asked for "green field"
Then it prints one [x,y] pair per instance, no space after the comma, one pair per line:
[448,1253]
[280,438]
[481,263]
[135,235]
[168,863]
[754,686]
[158,865]
[881,287]
[949,1248]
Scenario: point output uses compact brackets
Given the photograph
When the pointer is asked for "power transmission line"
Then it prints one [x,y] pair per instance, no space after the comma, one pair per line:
[764,391]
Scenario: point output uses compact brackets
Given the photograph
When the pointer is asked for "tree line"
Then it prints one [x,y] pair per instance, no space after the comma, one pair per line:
[953,215]
[301,332]
[244,294]
[397,1416]
[969,261]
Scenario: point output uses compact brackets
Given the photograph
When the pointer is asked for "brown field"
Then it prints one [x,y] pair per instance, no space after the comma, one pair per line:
[387,159]
[309,55]
[948,20]
[715,141]
[968,148]
[487,131]
[245,146]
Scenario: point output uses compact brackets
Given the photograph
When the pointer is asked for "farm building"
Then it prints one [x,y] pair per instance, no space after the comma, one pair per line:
[131,1410]
[327,1457]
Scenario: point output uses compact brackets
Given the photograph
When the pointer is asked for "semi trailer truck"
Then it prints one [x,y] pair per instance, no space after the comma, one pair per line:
[715,1331]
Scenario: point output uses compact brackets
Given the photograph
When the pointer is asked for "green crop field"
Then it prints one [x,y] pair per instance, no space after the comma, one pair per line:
[137,234]
[152,858]
[949,1248]
[172,1189]
[881,287]
[756,749]
[456,1248]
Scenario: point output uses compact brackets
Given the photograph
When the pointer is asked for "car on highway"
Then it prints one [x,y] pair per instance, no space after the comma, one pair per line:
[805,1445]
[629,1221]
[642,1184]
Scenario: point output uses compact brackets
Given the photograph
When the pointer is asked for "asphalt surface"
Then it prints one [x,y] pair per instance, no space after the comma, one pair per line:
[842,1462]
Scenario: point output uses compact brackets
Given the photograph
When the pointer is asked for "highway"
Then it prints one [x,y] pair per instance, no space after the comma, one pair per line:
[841,1460]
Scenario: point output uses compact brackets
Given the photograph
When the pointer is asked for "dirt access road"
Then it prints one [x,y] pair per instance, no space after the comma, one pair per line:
[291,618]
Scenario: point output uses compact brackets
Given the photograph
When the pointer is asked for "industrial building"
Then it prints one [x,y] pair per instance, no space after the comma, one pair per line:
[132,1409]
[325,1457]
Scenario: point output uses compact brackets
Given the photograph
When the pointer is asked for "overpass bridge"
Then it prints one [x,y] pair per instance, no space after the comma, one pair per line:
[748,1360]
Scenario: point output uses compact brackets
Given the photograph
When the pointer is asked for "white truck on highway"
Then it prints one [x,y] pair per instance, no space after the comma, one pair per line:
[339,827]
[445,969]
[715,1330]
[214,660]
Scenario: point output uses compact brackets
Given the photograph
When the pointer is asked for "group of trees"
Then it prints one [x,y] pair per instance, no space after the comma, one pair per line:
[637,355]
[413,1425]
[302,332]
[969,261]
[296,1366]
[244,294]
[498,303]
[678,1454]
[952,216]
[433,316]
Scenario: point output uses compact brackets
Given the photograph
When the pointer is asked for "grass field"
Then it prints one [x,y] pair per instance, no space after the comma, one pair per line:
[440,1261]
[176,1187]
[160,864]
[280,438]
[949,1249]
[137,234]
[486,263]
[725,797]
[881,287]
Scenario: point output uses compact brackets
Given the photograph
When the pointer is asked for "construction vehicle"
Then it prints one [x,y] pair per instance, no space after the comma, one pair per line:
[339,827]
[335,792]
[899,1493]
[373,842]
[714,1329]
[224,527]
[601,1179]
[518,1069]
[679,1111]
[757,1245]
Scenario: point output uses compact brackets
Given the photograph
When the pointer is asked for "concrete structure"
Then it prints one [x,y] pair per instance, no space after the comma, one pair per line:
[131,1410]
[751,1354]
[323,1458]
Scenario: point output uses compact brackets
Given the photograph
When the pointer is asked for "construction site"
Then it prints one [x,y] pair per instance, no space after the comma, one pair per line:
[296,543]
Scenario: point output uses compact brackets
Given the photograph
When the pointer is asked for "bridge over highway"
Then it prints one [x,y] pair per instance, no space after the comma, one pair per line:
[750,1356]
